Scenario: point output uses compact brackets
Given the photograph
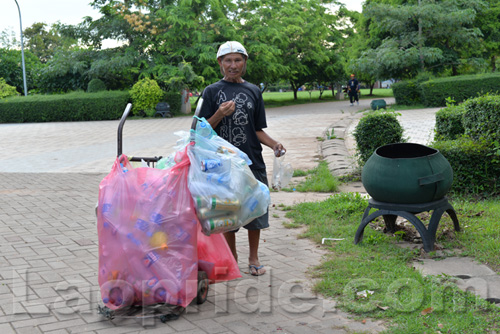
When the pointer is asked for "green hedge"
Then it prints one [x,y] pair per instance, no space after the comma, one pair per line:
[77,106]
[174,99]
[482,118]
[449,124]
[459,88]
[96,85]
[376,129]
[407,92]
[474,170]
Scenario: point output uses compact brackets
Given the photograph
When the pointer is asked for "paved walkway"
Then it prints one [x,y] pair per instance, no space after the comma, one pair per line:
[49,177]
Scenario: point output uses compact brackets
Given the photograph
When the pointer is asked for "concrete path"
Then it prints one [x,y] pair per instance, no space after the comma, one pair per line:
[49,177]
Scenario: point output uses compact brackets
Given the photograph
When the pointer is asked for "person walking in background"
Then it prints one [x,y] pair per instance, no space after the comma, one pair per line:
[353,89]
[235,110]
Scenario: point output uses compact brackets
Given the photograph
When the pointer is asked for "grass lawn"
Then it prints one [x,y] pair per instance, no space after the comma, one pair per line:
[376,279]
[277,99]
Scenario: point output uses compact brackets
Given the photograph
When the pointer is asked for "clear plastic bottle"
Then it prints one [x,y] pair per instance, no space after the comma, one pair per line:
[204,129]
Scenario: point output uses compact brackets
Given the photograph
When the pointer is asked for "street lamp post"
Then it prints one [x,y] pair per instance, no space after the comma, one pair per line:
[22,50]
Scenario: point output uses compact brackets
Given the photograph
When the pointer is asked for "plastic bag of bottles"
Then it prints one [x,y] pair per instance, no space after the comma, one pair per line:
[226,194]
[147,230]
[282,173]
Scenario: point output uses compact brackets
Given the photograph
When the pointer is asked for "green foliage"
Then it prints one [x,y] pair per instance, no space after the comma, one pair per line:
[474,170]
[174,99]
[70,70]
[12,71]
[70,107]
[407,92]
[459,88]
[375,129]
[427,34]
[96,85]
[145,95]
[482,118]
[449,124]
[6,90]
[43,42]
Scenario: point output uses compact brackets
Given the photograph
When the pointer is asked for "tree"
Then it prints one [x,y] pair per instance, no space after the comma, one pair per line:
[488,21]
[43,43]
[428,35]
[12,71]
[72,69]
[8,39]
[291,39]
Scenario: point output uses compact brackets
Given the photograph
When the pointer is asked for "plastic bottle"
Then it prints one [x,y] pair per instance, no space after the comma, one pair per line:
[204,130]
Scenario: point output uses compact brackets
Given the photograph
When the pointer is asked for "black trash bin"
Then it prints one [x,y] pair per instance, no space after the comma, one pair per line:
[163,110]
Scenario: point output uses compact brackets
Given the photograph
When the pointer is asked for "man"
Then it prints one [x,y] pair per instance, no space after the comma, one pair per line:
[235,110]
[353,89]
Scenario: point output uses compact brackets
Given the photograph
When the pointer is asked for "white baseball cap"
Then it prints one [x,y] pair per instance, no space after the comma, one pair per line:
[231,47]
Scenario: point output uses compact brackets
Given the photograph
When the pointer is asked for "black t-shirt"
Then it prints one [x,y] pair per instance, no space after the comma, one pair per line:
[249,116]
[353,85]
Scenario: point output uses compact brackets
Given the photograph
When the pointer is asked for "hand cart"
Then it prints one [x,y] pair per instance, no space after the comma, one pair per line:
[164,312]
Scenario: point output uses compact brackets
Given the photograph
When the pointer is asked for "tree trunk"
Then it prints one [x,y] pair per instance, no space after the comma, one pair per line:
[295,89]
[371,88]
[493,63]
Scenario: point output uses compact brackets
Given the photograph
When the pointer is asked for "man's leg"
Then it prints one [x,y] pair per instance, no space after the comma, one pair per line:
[231,241]
[253,259]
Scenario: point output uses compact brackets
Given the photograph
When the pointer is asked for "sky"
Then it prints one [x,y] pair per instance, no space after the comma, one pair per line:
[66,11]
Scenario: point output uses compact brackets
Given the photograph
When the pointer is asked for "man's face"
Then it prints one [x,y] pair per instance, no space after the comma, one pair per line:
[233,66]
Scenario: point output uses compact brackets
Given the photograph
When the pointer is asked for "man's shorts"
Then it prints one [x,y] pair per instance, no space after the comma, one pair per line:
[262,221]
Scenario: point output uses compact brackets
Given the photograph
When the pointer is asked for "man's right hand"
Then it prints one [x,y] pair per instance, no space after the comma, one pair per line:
[227,108]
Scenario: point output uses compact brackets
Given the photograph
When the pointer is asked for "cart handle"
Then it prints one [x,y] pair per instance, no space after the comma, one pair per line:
[197,113]
[120,128]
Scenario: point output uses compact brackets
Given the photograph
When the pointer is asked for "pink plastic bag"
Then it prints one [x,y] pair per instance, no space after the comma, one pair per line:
[215,258]
[147,230]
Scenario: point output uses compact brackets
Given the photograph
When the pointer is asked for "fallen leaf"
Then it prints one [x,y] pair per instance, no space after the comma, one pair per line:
[364,321]
[427,311]
[440,325]
[383,307]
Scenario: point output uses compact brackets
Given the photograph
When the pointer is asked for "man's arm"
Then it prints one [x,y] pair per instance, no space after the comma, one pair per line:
[265,139]
[225,109]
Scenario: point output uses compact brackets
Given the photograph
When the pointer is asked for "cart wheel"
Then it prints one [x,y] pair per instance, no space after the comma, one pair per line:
[201,297]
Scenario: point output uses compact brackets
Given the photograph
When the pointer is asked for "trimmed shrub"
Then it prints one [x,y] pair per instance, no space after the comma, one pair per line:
[145,96]
[482,118]
[6,90]
[449,123]
[407,92]
[459,88]
[376,129]
[77,106]
[96,85]
[474,170]
[174,99]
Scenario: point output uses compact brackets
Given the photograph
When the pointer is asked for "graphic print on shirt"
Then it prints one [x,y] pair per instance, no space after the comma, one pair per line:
[233,128]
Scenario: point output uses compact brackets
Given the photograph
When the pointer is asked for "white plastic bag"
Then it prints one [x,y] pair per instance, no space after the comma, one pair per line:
[282,173]
[225,192]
